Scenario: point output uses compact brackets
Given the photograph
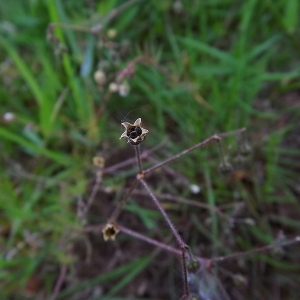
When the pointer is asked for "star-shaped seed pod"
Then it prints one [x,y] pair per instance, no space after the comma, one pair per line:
[134,133]
[110,232]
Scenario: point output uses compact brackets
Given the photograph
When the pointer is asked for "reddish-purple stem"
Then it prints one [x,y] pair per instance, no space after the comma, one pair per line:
[256,250]
[179,240]
[159,165]
[138,157]
[59,282]
[216,137]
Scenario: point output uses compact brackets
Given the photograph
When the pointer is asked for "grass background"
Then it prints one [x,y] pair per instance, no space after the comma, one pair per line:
[215,66]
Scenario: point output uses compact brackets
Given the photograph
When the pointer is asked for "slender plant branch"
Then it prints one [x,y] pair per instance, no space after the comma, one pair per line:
[159,165]
[59,282]
[163,212]
[208,262]
[230,133]
[216,137]
[138,157]
[94,191]
[148,240]
[256,250]
[179,240]
[205,261]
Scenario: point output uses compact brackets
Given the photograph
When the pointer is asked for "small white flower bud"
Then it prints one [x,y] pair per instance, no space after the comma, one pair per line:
[113,87]
[100,77]
[195,189]
[111,33]
[124,89]
[9,117]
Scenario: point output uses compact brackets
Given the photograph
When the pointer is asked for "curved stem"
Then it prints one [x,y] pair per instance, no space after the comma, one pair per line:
[178,238]
[138,157]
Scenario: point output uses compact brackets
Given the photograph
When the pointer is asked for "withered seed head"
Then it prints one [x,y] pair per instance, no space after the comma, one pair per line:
[134,133]
[99,162]
[110,232]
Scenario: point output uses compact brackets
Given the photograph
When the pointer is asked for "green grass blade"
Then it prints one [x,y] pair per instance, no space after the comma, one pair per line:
[291,15]
[55,156]
[195,44]
[123,270]
[130,275]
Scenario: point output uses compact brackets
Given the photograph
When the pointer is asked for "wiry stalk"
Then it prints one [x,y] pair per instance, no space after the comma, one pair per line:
[138,157]
[159,165]
[216,137]
[178,238]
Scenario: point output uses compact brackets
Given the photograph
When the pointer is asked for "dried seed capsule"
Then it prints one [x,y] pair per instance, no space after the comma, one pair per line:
[110,232]
[134,133]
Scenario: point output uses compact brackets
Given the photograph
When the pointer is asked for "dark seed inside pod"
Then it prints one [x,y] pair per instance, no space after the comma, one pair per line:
[138,130]
[134,131]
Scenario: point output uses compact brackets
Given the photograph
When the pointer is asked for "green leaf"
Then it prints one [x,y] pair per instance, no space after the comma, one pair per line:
[58,157]
[291,15]
[206,49]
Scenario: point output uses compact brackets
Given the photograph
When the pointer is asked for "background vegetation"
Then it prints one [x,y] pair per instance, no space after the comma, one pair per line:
[205,67]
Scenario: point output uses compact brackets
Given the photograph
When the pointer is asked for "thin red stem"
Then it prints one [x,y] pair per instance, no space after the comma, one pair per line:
[175,233]
[216,137]
[59,282]
[94,192]
[159,165]
[149,240]
[256,250]
[138,158]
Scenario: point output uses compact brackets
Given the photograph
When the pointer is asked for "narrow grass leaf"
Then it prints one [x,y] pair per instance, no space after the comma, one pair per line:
[291,15]
[58,157]
[259,49]
[130,275]
[206,49]
[123,270]
[87,64]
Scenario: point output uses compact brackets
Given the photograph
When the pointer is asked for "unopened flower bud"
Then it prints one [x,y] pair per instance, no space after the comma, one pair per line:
[113,87]
[124,89]
[100,77]
[9,117]
[195,189]
[111,33]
